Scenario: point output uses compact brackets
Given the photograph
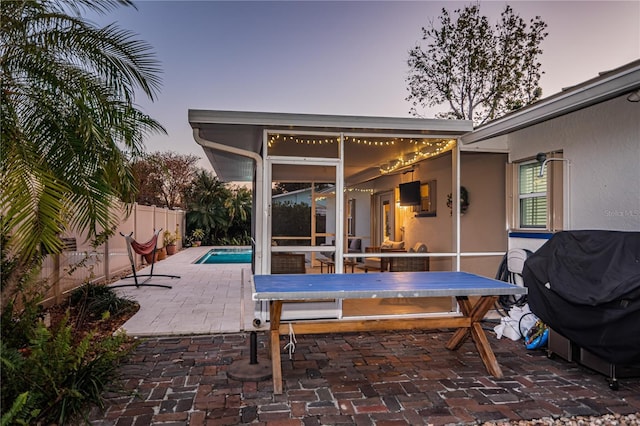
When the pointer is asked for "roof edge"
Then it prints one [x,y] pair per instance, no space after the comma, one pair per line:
[599,89]
[197,116]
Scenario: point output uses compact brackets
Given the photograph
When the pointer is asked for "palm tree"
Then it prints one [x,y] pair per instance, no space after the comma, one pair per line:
[239,207]
[206,209]
[69,122]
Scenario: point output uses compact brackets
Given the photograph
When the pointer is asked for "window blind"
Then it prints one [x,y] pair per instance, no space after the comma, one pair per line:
[533,196]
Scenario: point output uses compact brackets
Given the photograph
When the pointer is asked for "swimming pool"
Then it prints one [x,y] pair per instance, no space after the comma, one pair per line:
[226,255]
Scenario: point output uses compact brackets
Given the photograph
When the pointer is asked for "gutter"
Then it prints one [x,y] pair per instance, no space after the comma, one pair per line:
[230,149]
[258,179]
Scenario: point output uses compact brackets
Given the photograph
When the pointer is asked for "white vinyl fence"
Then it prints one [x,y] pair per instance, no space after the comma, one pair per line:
[80,263]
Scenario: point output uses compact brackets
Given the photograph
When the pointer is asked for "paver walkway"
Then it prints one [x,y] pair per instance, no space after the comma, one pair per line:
[205,299]
[377,378]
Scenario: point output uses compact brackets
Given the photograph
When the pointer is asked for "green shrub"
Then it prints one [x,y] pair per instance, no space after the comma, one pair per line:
[54,375]
[13,415]
[97,299]
[17,329]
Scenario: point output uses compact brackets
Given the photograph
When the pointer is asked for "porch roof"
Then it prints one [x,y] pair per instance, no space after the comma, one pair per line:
[233,139]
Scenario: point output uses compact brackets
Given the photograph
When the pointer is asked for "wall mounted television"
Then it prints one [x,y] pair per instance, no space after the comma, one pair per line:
[410,193]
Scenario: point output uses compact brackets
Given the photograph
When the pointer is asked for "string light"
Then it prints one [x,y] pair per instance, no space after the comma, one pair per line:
[425,148]
[411,158]
[333,192]
[370,191]
[273,138]
[319,141]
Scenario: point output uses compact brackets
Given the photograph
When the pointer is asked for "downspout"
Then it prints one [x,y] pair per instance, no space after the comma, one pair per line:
[259,196]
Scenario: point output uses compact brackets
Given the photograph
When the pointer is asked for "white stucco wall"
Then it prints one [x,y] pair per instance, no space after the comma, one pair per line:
[295,197]
[482,227]
[602,143]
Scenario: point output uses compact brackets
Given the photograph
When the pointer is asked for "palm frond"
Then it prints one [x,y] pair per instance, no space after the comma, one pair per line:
[69,122]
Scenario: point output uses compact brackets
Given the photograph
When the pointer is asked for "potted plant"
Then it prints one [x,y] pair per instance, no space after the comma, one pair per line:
[149,258]
[161,253]
[197,235]
[170,239]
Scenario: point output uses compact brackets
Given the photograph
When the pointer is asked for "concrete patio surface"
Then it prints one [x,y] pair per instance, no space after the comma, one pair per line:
[206,299]
[176,377]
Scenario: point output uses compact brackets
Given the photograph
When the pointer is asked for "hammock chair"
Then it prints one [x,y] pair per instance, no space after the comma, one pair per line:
[148,248]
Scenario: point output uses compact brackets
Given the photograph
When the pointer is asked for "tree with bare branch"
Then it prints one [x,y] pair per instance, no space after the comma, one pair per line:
[480,71]
[163,177]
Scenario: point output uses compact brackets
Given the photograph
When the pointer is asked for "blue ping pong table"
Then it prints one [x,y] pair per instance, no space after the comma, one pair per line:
[278,289]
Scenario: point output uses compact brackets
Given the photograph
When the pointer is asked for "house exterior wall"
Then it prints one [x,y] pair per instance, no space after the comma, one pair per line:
[295,197]
[435,232]
[602,143]
[482,227]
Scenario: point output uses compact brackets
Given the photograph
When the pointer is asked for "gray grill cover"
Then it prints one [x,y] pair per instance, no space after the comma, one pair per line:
[586,286]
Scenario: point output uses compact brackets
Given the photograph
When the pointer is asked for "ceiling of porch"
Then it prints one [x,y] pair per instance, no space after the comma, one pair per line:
[373,145]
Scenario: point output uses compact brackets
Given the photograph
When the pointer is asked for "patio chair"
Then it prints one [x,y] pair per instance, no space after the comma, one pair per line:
[355,246]
[510,270]
[148,248]
[410,264]
[378,263]
[288,263]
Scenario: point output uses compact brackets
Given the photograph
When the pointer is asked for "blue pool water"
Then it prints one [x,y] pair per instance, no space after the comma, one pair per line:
[226,255]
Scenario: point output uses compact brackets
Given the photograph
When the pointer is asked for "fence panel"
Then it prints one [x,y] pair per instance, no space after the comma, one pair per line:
[173,225]
[80,263]
[144,223]
[116,249]
[160,222]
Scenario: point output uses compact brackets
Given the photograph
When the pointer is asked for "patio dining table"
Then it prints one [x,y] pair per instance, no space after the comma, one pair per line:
[475,296]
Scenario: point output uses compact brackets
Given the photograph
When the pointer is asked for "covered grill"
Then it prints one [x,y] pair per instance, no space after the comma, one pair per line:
[586,286]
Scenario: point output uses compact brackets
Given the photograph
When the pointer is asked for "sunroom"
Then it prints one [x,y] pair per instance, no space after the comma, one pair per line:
[367,161]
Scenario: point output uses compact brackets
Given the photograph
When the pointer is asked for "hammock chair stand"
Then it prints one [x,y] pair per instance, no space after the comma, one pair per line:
[149,247]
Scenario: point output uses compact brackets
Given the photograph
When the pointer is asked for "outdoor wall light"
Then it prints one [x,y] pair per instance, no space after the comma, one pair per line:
[541,157]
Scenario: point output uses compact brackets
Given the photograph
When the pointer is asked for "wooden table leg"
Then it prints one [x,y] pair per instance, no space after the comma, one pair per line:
[476,313]
[461,334]
[485,351]
[275,313]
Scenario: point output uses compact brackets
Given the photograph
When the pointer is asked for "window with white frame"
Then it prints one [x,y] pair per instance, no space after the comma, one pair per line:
[532,196]
[535,202]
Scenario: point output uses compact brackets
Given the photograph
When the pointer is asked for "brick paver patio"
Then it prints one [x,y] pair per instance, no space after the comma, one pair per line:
[390,378]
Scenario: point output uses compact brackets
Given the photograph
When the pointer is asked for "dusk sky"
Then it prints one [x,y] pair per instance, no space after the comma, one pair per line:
[345,58]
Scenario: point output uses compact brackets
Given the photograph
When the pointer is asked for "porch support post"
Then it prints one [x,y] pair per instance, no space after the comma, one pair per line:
[455,206]
[340,244]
